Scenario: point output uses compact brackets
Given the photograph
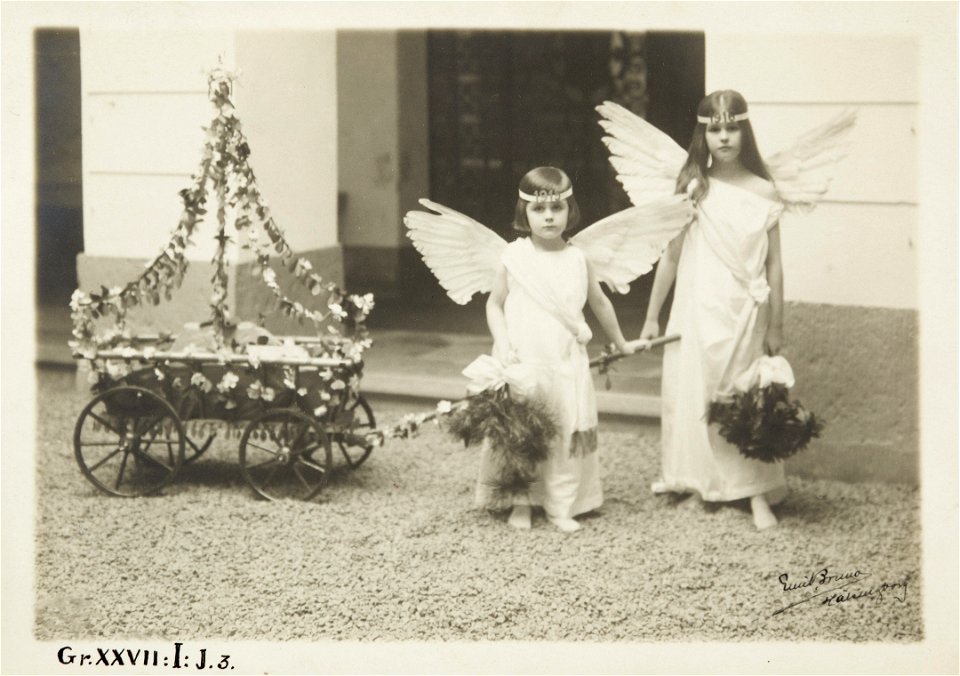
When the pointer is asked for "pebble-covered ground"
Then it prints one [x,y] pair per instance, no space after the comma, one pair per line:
[394,551]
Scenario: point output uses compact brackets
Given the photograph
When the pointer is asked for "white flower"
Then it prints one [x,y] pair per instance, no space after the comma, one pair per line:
[319,411]
[759,290]
[268,394]
[364,303]
[337,385]
[326,374]
[444,406]
[200,380]
[324,395]
[302,392]
[159,374]
[77,299]
[303,266]
[149,352]
[254,390]
[337,310]
[228,382]
[269,276]
[117,369]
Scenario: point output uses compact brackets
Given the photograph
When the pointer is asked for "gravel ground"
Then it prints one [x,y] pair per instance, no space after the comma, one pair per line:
[394,551]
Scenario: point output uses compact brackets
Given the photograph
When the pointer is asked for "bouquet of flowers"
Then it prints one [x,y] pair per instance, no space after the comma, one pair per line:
[499,410]
[518,431]
[760,419]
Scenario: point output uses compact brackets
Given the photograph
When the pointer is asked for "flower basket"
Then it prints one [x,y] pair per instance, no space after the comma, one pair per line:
[760,419]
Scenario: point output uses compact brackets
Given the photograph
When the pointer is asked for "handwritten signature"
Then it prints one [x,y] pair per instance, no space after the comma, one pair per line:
[838,590]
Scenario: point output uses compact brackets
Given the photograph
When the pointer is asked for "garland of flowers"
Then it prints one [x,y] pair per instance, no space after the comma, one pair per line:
[224,164]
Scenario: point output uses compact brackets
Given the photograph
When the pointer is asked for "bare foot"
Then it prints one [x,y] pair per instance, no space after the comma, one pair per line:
[566,525]
[520,517]
[763,517]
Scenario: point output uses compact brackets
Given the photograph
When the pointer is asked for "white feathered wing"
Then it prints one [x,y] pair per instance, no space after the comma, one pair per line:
[647,161]
[803,172]
[625,245]
[462,253]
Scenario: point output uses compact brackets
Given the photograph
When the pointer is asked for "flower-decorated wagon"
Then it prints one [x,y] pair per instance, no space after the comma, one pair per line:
[295,398]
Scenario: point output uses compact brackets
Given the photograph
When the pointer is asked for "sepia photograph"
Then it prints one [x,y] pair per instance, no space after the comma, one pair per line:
[455,337]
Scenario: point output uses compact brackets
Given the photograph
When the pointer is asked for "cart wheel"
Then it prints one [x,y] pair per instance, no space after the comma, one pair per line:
[129,441]
[285,454]
[359,421]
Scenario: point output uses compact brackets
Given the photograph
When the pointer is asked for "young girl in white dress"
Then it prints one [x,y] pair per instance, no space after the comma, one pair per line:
[535,315]
[727,307]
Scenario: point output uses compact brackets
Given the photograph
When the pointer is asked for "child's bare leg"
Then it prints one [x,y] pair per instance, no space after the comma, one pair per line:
[520,517]
[564,524]
[762,514]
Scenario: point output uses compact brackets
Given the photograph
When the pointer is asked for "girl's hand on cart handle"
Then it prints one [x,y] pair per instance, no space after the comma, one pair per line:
[638,345]
[650,330]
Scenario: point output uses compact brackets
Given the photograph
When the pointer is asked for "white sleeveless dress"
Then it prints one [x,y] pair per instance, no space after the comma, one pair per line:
[546,294]
[721,311]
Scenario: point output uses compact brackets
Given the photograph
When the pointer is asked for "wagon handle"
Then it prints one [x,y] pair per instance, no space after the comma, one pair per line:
[609,357]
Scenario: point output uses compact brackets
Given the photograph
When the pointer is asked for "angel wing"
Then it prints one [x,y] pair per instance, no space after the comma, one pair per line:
[462,253]
[802,173]
[625,245]
[647,160]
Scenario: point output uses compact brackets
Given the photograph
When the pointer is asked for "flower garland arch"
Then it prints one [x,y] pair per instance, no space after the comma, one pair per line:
[225,166]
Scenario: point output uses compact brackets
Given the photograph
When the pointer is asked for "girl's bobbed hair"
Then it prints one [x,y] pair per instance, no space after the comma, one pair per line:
[698,156]
[549,180]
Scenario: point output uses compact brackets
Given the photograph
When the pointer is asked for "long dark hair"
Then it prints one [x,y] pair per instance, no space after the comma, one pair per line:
[550,179]
[698,155]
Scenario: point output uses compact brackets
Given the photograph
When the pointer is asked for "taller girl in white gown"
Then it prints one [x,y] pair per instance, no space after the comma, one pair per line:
[728,301]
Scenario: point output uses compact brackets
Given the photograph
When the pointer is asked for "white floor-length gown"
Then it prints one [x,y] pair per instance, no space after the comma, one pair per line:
[721,311]
[547,291]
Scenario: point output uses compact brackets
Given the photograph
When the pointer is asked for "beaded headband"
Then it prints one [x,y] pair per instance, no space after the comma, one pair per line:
[546,195]
[722,118]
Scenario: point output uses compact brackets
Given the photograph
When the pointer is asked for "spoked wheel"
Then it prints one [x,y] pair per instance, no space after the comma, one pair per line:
[358,421]
[285,454]
[129,441]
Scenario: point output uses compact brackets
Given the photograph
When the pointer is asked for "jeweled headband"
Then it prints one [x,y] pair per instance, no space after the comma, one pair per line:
[546,195]
[722,118]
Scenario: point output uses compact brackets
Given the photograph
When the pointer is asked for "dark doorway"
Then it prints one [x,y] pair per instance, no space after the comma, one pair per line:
[59,188]
[503,102]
